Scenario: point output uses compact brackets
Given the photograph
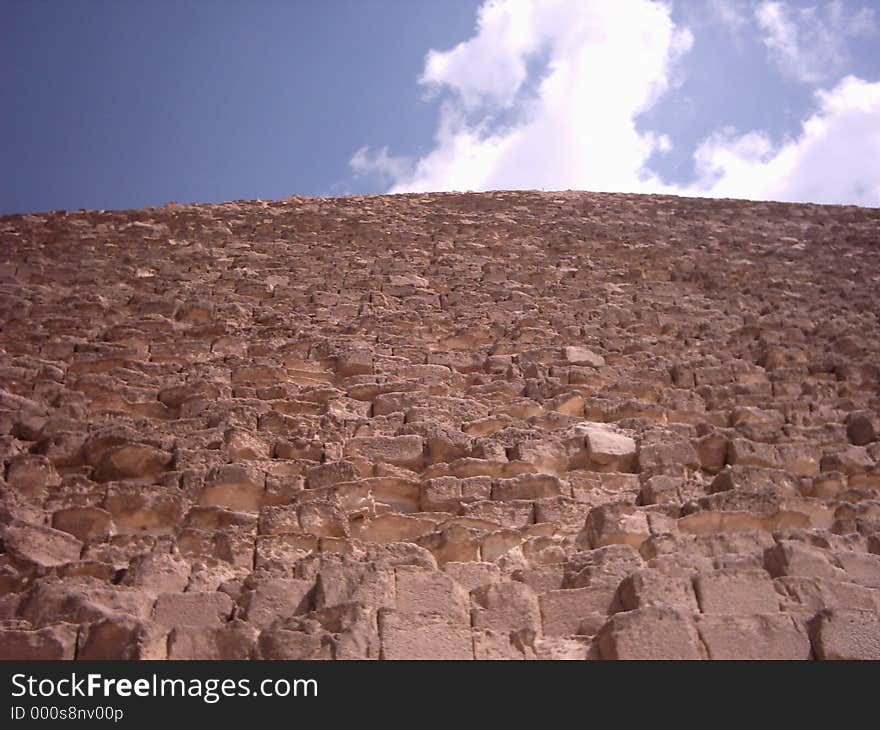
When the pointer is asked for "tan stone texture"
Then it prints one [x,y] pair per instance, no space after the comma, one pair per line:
[507,425]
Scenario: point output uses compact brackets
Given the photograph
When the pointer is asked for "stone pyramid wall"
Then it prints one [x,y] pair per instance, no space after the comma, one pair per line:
[503,425]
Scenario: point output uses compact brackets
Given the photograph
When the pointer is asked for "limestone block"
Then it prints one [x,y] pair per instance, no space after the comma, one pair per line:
[192,609]
[650,633]
[760,636]
[840,633]
[236,640]
[735,591]
[422,591]
[572,610]
[507,606]
[39,547]
[646,588]
[132,461]
[423,636]
[57,641]
[404,451]
[273,599]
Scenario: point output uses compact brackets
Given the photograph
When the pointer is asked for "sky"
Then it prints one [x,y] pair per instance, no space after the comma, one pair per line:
[120,104]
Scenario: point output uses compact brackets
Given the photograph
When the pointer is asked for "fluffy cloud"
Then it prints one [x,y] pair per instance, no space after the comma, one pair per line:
[810,44]
[546,94]
[834,159]
[571,123]
[387,167]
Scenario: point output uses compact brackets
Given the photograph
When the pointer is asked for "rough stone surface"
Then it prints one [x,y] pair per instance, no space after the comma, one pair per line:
[844,634]
[509,425]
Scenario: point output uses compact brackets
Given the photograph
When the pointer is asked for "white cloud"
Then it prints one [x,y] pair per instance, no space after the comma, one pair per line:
[731,13]
[490,67]
[810,44]
[387,167]
[834,159]
[570,124]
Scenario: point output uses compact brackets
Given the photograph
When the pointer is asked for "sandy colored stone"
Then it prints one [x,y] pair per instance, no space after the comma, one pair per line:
[651,588]
[502,425]
[760,636]
[50,642]
[509,606]
[734,591]
[650,633]
[846,634]
[40,547]
[274,599]
[423,636]
[84,523]
[421,591]
[192,609]
[233,641]
[131,461]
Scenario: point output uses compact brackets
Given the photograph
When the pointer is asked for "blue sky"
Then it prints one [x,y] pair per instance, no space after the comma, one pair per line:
[118,104]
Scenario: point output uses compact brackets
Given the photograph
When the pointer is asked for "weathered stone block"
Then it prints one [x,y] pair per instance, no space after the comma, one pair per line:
[192,609]
[650,633]
[276,598]
[840,633]
[233,641]
[404,451]
[508,606]
[646,588]
[423,636]
[423,591]
[570,610]
[761,636]
[57,641]
[735,591]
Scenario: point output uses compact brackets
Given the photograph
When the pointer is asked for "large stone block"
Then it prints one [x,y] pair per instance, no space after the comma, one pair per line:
[646,588]
[235,640]
[279,643]
[355,582]
[423,636]
[158,573]
[192,609]
[499,646]
[650,633]
[609,450]
[81,600]
[615,524]
[122,638]
[841,633]
[275,598]
[39,547]
[815,594]
[447,494]
[792,557]
[508,606]
[761,636]
[733,591]
[31,476]
[57,641]
[527,486]
[425,591]
[145,509]
[84,523]
[404,451]
[576,610]
[132,461]
[236,487]
[661,455]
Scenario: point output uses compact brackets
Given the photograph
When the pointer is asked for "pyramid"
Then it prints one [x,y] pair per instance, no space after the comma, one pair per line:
[503,425]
